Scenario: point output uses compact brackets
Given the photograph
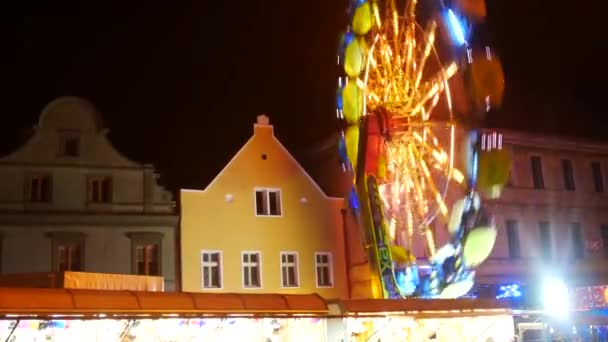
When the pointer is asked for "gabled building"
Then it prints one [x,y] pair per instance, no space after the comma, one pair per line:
[263,226]
[69,201]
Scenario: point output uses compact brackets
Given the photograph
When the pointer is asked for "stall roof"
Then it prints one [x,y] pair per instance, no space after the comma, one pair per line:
[74,302]
[423,307]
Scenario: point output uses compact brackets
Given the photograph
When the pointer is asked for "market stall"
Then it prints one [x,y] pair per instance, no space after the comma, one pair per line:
[94,315]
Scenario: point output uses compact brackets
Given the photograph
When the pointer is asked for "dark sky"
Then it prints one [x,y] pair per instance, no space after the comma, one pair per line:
[180,85]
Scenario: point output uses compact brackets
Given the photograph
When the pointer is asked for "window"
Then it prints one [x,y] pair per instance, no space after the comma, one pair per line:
[324,269]
[537,172]
[252,275]
[545,240]
[578,246]
[268,202]
[212,269]
[598,178]
[568,174]
[146,253]
[513,239]
[604,231]
[69,143]
[67,251]
[100,189]
[289,269]
[40,188]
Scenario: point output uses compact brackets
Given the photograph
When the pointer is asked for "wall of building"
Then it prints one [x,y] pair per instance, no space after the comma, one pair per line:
[223,217]
[527,206]
[136,203]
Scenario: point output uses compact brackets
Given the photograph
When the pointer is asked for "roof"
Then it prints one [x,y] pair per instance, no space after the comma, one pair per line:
[422,308]
[93,303]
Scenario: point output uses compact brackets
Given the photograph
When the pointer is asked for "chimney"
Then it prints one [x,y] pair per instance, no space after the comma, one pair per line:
[262,125]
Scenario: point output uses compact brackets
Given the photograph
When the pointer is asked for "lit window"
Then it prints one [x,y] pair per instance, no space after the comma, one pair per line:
[68,251]
[40,188]
[212,269]
[100,189]
[251,270]
[324,269]
[268,202]
[146,253]
[289,269]
[147,260]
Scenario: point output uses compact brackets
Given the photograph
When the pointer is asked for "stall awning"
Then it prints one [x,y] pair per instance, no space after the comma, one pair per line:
[66,302]
[422,308]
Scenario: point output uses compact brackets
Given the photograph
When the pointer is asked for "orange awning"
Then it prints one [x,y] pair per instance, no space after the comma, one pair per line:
[421,308]
[74,302]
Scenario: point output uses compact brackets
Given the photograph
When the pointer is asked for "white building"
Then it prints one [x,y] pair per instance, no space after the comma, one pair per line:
[70,201]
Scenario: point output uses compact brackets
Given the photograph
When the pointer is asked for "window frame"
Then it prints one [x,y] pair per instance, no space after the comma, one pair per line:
[296,266]
[597,175]
[90,194]
[220,268]
[59,239]
[545,254]
[329,266]
[513,239]
[145,239]
[30,176]
[259,269]
[64,137]
[578,249]
[267,199]
[538,180]
[568,174]
[604,238]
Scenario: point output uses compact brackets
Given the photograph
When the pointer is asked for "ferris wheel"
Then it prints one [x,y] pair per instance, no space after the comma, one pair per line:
[400,134]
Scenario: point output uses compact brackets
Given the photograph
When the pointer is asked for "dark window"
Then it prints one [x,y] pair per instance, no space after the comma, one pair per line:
[100,190]
[545,240]
[604,230]
[251,270]
[513,239]
[598,178]
[323,265]
[578,246]
[71,147]
[289,270]
[40,188]
[212,276]
[537,172]
[268,202]
[568,174]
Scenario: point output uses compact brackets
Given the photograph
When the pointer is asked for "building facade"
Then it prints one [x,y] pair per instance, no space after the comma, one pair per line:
[69,201]
[551,219]
[553,215]
[263,225]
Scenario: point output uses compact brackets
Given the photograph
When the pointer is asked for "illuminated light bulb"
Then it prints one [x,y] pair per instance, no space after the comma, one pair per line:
[457,176]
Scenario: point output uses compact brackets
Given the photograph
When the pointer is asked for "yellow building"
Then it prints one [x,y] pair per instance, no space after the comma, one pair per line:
[263,226]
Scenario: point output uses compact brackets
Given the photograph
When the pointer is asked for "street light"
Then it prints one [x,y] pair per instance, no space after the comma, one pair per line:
[555,297]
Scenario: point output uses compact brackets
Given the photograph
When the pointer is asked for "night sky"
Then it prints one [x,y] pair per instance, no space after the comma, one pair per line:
[181,85]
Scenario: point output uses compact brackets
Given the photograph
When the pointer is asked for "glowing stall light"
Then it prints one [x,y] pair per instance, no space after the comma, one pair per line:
[456,27]
[555,297]
[509,291]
